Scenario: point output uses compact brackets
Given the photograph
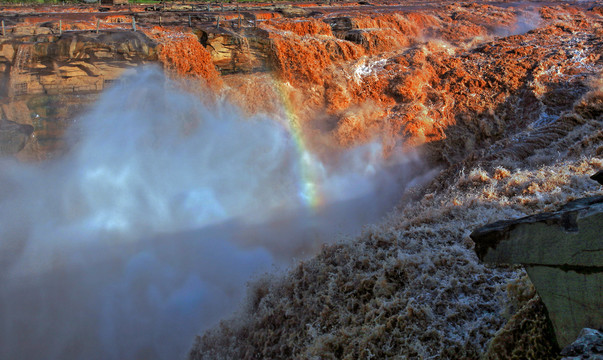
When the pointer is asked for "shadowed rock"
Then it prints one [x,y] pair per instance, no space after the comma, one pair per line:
[562,252]
[589,345]
[13,137]
[598,177]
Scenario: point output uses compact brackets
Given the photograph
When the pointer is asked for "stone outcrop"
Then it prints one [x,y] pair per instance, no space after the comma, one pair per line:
[562,252]
[588,346]
[231,51]
[47,79]
[70,63]
[13,137]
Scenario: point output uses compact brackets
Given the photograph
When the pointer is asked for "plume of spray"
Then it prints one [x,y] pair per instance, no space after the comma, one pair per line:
[527,20]
[147,230]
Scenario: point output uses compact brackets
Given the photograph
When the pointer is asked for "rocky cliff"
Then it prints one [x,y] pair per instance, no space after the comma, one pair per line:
[47,79]
[457,77]
[73,62]
[562,252]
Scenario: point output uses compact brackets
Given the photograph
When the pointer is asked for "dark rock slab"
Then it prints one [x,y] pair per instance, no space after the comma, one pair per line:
[562,252]
[570,236]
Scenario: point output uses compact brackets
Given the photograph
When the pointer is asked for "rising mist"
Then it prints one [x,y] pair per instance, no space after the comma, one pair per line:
[147,230]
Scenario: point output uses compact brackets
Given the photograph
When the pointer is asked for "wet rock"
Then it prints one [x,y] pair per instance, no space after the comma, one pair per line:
[562,252]
[341,24]
[291,11]
[597,9]
[231,51]
[375,40]
[588,346]
[13,137]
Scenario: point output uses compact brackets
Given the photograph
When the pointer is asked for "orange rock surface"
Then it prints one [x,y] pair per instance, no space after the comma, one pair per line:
[424,77]
[458,73]
[182,53]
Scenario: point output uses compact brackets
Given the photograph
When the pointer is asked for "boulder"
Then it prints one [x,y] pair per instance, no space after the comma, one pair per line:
[231,51]
[588,346]
[562,252]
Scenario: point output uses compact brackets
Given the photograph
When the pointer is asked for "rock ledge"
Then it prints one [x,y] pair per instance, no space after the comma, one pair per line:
[562,252]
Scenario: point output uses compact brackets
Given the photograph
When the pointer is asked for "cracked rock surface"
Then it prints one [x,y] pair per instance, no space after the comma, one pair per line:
[562,252]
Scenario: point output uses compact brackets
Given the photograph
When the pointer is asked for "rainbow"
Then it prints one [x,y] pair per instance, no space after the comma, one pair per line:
[309,182]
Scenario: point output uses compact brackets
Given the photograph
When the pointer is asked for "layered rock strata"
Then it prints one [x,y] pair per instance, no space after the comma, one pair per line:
[73,62]
[47,79]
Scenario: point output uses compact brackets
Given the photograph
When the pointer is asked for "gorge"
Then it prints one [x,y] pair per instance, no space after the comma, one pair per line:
[156,162]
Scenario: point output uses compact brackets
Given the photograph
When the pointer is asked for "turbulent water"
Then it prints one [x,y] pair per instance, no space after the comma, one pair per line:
[147,230]
[167,207]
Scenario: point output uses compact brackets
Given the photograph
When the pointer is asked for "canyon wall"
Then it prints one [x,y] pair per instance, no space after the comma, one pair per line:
[47,79]
[74,62]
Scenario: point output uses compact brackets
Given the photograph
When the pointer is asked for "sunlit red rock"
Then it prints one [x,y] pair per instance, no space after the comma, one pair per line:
[181,52]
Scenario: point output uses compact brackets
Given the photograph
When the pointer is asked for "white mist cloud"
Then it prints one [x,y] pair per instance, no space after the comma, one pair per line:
[147,231]
[527,20]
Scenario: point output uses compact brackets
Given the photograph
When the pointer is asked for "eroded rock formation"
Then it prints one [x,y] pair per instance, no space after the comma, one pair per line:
[47,79]
[447,76]
[73,62]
